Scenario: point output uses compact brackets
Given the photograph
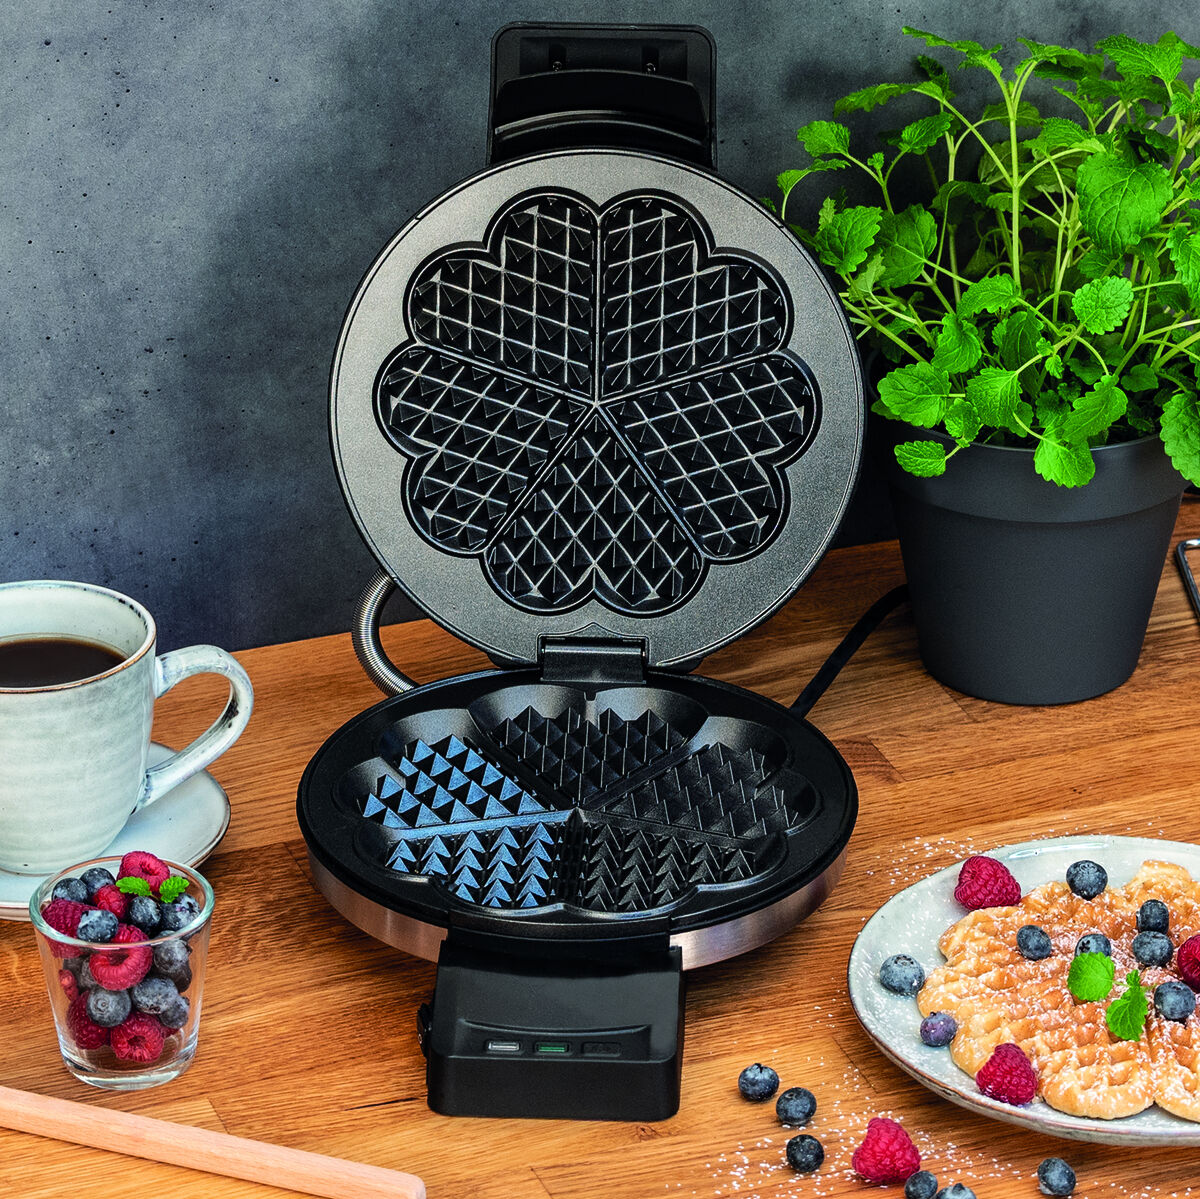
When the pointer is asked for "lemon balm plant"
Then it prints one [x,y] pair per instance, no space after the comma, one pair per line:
[1046,291]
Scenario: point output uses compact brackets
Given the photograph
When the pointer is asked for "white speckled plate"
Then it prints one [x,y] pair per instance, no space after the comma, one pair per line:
[913,920]
[185,826]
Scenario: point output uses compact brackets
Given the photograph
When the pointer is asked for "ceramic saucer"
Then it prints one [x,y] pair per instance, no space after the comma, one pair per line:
[185,826]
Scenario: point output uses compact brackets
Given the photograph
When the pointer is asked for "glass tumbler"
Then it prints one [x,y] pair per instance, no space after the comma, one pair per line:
[126,1003]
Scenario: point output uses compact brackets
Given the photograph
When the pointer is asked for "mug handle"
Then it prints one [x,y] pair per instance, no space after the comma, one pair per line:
[173,668]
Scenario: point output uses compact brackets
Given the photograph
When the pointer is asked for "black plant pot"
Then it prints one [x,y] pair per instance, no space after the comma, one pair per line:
[1025,592]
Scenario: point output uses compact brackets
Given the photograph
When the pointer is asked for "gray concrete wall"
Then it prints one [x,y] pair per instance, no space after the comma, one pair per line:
[190,195]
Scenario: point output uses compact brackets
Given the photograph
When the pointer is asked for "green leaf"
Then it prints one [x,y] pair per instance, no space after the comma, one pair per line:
[1095,411]
[1184,249]
[919,136]
[962,422]
[1120,202]
[951,194]
[1181,434]
[907,240]
[1140,60]
[170,889]
[1140,377]
[922,458]
[995,294]
[1095,263]
[133,885]
[1057,134]
[864,280]
[959,346]
[918,394]
[868,98]
[844,239]
[975,54]
[1091,977]
[1018,339]
[996,395]
[824,137]
[1066,465]
[1103,304]
[1126,1015]
[1027,114]
[788,179]
[1064,56]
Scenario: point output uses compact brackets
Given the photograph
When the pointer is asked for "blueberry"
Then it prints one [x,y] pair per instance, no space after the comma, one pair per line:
[1094,943]
[758,1082]
[1087,879]
[1153,917]
[87,980]
[921,1185]
[956,1190]
[1152,949]
[1174,1000]
[97,925]
[1055,1177]
[175,1016]
[805,1153]
[71,888]
[74,965]
[94,879]
[938,1029]
[1033,943]
[795,1107]
[108,1008]
[154,994]
[901,974]
[175,915]
[146,912]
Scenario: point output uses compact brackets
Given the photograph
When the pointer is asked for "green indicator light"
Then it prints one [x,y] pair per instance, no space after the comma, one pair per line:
[551,1047]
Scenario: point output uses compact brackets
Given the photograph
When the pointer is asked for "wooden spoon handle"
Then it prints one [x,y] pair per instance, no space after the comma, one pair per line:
[202,1149]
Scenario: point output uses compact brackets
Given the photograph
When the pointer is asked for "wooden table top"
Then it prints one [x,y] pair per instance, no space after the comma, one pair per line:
[307,1037]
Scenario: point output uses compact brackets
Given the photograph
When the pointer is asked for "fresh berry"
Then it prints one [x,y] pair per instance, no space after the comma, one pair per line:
[1093,943]
[956,1190]
[178,914]
[176,1015]
[938,1029]
[901,974]
[94,879]
[87,980]
[138,1039]
[69,984]
[1086,878]
[1008,1075]
[63,915]
[921,1185]
[1055,1177]
[804,1153]
[119,968]
[171,961]
[71,888]
[985,883]
[887,1153]
[154,995]
[97,924]
[758,1082]
[1033,943]
[1174,1000]
[795,1107]
[146,912]
[85,1032]
[1152,949]
[1152,917]
[108,1008]
[139,864]
[112,899]
[1187,962]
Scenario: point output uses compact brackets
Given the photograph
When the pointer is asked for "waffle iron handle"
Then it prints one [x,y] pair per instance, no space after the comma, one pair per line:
[365,636]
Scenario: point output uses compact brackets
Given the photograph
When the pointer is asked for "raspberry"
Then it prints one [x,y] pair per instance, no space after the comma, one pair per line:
[111,899]
[138,1039]
[62,915]
[85,1032]
[118,969]
[70,987]
[985,883]
[1008,1075]
[138,864]
[887,1153]
[1187,962]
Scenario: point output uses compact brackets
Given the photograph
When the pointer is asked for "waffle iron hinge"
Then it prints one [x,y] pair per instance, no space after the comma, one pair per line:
[599,661]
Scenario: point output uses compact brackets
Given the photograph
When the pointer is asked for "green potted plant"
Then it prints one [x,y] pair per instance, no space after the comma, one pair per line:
[1036,321]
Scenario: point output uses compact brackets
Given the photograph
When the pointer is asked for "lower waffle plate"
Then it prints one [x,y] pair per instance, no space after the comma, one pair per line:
[567,813]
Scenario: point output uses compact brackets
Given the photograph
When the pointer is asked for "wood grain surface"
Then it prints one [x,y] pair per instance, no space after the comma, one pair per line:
[308,1035]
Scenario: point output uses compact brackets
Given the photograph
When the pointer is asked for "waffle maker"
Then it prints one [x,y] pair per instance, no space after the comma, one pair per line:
[597,412]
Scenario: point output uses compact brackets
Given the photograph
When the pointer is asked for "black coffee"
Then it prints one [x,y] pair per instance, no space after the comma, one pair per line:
[48,661]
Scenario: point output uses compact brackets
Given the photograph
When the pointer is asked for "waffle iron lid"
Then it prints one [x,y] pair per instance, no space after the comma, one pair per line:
[595,395]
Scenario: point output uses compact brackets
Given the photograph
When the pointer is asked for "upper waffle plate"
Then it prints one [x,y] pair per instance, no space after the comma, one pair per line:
[598,394]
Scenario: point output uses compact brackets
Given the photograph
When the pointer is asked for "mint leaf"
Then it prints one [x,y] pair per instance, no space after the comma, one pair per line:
[1140,377]
[170,889]
[907,240]
[843,240]
[1120,201]
[1184,249]
[1019,339]
[133,885]
[996,395]
[1091,976]
[1139,60]
[918,394]
[921,134]
[824,137]
[1181,434]
[1057,133]
[1103,304]
[1066,465]
[922,458]
[1095,411]
[959,346]
[975,54]
[962,422]
[1126,1015]
[868,98]
[995,294]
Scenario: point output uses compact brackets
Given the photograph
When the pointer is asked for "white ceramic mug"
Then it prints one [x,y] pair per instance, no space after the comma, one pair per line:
[73,755]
